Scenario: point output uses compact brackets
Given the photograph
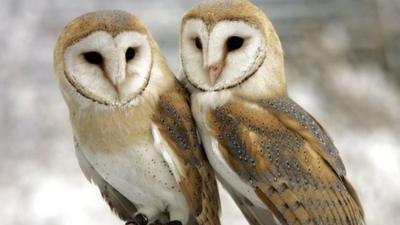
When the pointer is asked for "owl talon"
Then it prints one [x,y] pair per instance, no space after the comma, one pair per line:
[139,219]
[175,222]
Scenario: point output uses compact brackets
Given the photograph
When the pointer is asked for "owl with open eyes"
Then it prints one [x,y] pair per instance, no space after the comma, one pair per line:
[274,158]
[134,133]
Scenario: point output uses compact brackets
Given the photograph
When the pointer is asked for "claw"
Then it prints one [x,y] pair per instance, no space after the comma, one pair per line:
[139,219]
[175,222]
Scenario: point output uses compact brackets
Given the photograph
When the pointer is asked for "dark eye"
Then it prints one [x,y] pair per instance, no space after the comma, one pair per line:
[93,58]
[198,43]
[234,43]
[130,54]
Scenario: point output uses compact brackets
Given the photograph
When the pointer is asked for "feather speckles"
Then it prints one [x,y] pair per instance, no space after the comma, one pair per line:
[231,136]
[279,149]
[135,140]
[247,142]
[290,109]
[174,120]
[174,124]
[264,147]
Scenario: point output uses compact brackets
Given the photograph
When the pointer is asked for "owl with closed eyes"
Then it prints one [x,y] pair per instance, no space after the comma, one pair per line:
[133,129]
[274,158]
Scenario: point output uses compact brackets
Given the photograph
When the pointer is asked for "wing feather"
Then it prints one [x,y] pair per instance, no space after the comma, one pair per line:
[174,121]
[288,158]
[254,215]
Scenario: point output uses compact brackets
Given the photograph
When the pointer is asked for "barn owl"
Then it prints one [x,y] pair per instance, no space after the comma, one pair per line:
[133,130]
[269,153]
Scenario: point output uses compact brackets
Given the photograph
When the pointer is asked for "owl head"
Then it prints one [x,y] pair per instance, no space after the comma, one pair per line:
[105,57]
[226,44]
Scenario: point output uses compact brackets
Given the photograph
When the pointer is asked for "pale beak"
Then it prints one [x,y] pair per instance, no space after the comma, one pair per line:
[116,75]
[118,87]
[214,72]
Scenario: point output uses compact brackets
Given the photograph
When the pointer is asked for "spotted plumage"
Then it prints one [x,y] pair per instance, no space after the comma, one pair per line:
[280,163]
[269,153]
[134,133]
[197,178]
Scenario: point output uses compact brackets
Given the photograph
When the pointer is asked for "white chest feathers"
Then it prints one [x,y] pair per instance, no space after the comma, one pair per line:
[140,174]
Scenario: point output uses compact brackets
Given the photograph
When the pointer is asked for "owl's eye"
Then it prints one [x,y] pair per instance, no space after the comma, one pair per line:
[234,43]
[93,58]
[198,43]
[130,54]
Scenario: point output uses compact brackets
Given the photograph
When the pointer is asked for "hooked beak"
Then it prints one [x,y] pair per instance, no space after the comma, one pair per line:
[214,72]
[118,84]
[116,75]
[118,87]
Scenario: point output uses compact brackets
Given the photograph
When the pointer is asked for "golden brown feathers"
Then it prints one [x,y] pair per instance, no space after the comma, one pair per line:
[268,140]
[111,21]
[291,163]
[214,11]
[175,122]
[103,132]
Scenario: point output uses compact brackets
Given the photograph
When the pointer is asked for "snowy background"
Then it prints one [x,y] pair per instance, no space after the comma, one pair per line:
[342,62]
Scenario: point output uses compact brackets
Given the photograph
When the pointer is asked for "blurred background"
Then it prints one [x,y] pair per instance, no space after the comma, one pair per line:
[342,63]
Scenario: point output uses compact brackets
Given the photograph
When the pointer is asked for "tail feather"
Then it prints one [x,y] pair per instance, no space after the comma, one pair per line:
[254,215]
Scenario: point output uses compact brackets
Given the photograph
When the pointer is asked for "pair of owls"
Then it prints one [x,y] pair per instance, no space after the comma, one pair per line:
[137,132]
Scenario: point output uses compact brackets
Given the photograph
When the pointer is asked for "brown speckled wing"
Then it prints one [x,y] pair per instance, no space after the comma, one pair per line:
[174,120]
[289,160]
